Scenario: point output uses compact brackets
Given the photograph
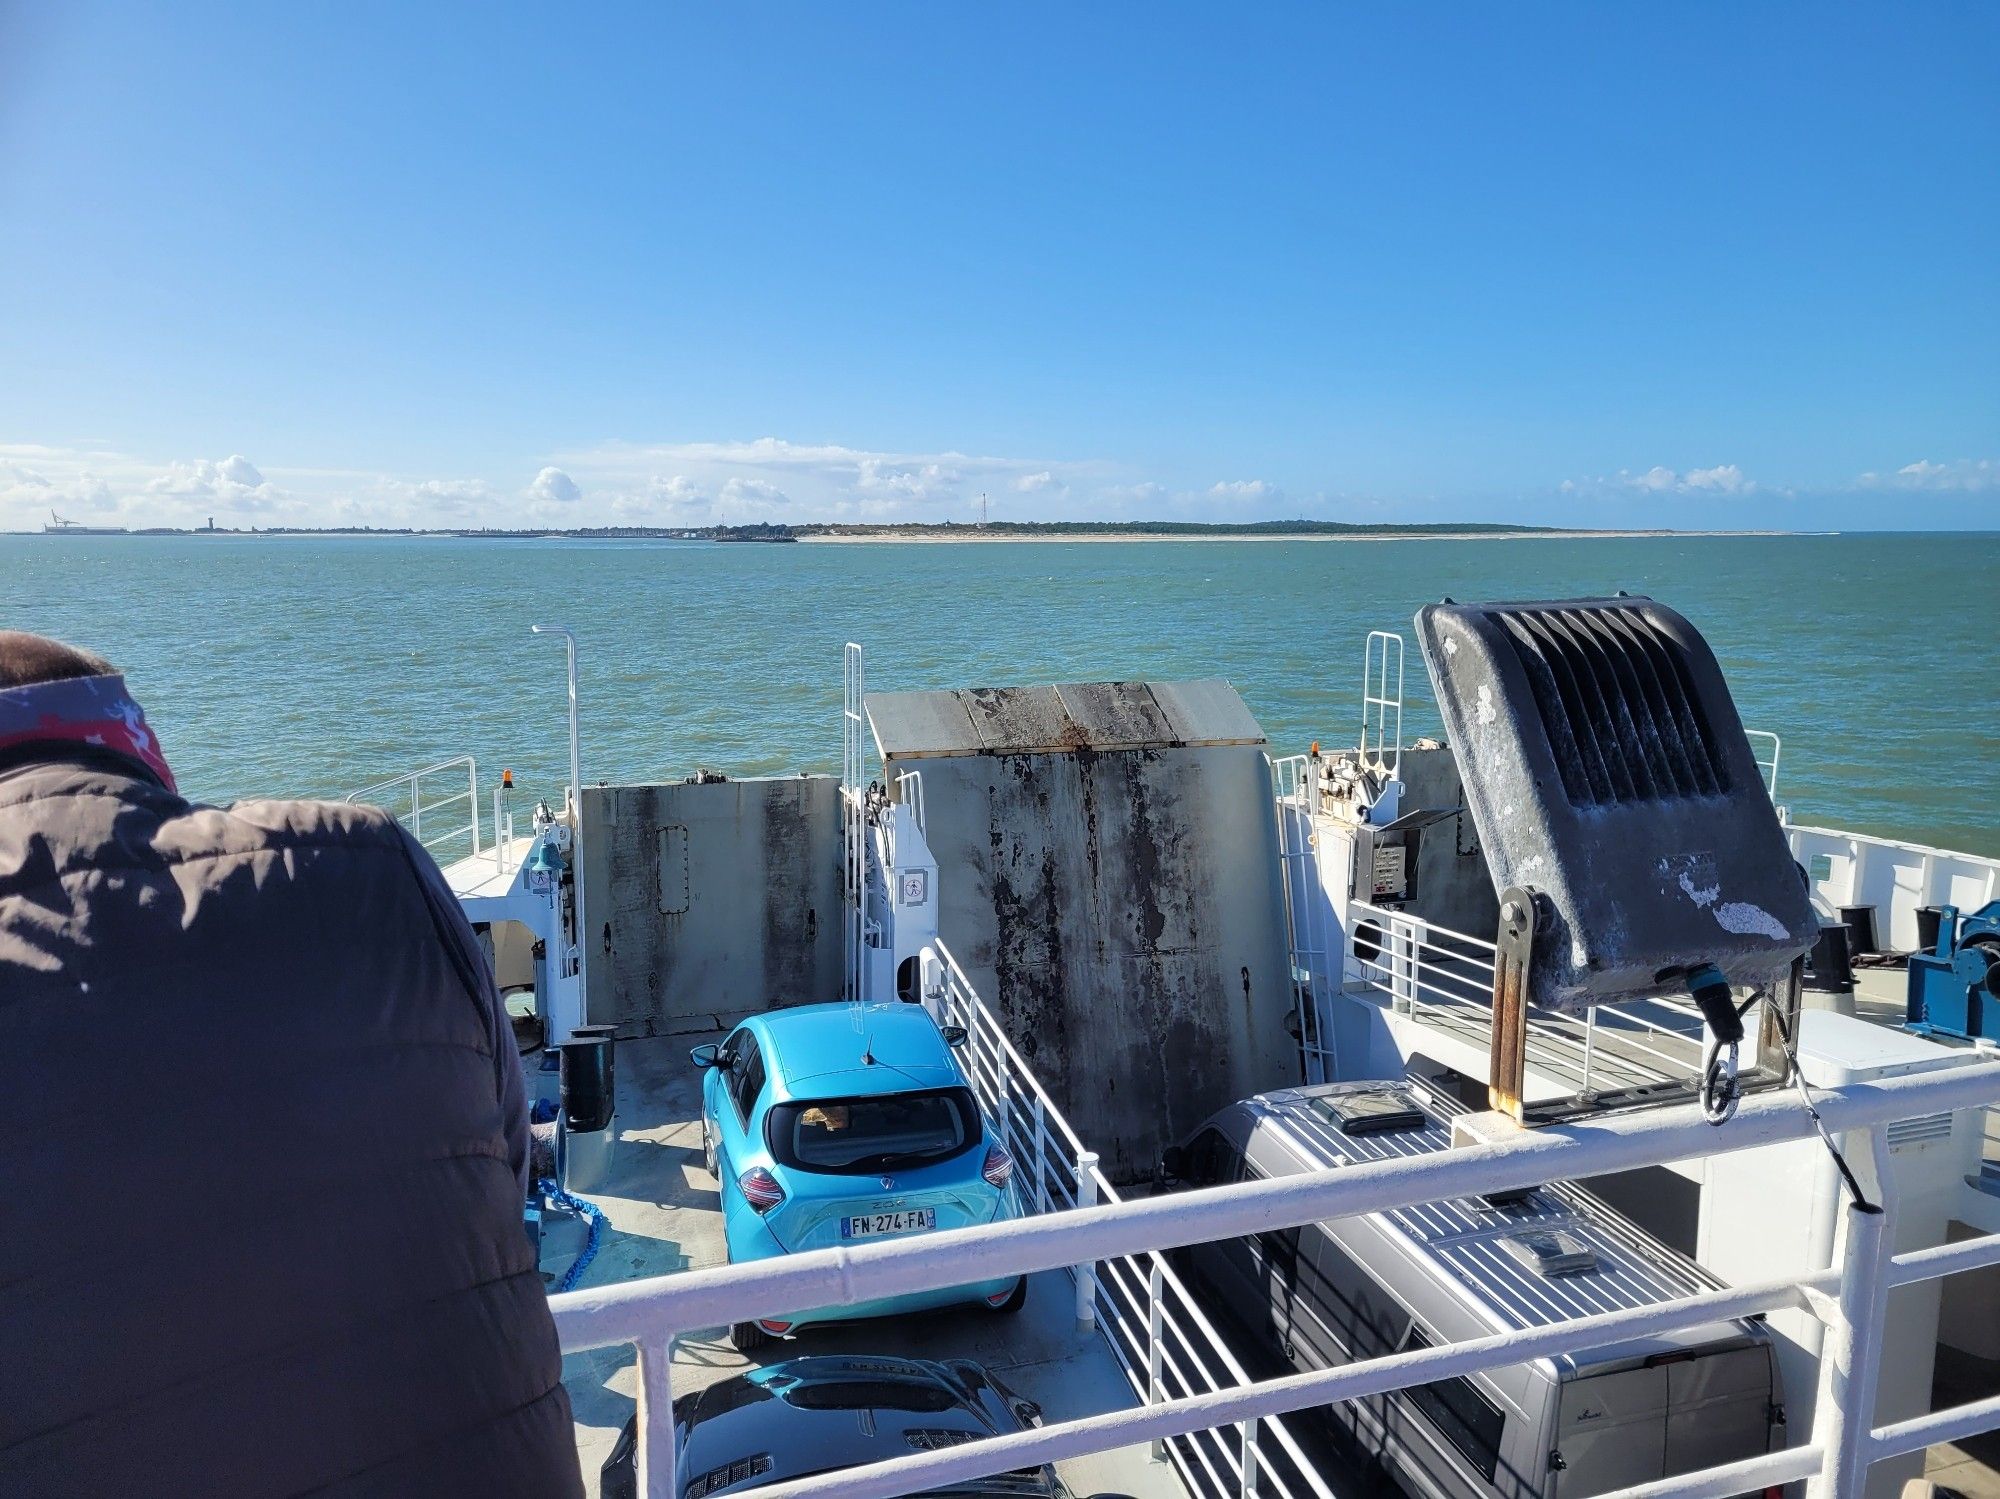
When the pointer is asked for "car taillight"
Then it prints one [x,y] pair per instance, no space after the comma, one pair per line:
[760,1189]
[999,1167]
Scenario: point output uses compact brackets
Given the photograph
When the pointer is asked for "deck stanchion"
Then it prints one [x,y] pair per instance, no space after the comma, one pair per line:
[1086,1273]
[655,1455]
[1155,1299]
[1003,1084]
[1248,1448]
[1850,1360]
[1042,1202]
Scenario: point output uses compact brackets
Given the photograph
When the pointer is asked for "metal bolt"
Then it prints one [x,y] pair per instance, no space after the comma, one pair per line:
[1511,912]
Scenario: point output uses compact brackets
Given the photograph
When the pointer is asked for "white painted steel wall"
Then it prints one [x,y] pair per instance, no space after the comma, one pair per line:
[1855,869]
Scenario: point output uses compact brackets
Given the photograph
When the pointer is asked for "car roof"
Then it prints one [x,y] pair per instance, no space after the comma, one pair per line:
[818,1051]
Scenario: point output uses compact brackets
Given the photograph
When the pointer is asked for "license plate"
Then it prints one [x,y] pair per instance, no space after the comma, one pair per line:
[872,1225]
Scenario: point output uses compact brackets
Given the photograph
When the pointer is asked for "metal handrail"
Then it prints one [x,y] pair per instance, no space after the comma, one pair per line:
[412,781]
[1377,703]
[1770,766]
[1165,1303]
[1847,1298]
[1407,968]
[1305,922]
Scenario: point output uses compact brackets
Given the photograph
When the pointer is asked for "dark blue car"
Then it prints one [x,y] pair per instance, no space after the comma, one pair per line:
[819,1414]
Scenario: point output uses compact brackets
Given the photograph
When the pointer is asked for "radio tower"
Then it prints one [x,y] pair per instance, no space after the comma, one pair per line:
[982,510]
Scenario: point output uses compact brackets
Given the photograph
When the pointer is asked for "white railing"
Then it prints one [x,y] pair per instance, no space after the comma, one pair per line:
[854,819]
[1415,961]
[503,828]
[1766,764]
[910,791]
[910,795]
[1441,977]
[1379,702]
[404,798]
[1162,1340]
[1847,1298]
[1856,869]
[1306,916]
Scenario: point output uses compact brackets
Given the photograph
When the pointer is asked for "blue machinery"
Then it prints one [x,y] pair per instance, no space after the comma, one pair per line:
[1955,980]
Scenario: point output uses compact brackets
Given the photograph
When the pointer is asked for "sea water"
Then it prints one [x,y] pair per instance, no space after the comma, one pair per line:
[313,666]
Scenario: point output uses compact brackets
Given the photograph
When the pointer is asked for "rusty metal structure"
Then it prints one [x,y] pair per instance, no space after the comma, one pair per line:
[1115,890]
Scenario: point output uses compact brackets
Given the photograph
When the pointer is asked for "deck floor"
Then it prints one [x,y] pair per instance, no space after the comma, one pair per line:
[662,1216]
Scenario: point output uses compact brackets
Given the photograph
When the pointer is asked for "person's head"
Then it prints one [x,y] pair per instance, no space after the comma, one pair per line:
[61,702]
[28,659]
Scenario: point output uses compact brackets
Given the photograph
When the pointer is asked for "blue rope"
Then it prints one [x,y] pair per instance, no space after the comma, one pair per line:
[557,1197]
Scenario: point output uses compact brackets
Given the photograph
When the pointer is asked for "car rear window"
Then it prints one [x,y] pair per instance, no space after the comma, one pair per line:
[882,1132]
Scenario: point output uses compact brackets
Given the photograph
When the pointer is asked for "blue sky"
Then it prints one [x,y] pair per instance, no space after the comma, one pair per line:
[1602,265]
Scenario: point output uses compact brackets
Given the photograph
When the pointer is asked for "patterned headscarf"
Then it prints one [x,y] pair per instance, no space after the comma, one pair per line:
[82,710]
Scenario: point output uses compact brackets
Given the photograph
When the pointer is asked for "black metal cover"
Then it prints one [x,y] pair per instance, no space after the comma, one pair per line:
[1606,768]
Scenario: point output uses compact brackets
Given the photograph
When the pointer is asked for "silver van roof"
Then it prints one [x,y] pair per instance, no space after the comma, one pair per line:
[1487,1249]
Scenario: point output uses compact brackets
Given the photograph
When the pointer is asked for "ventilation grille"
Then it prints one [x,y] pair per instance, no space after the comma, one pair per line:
[1618,704]
[1916,1131]
[740,1471]
[937,1438]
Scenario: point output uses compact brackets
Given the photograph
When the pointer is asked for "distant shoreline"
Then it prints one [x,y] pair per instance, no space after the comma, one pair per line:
[955,536]
[976,538]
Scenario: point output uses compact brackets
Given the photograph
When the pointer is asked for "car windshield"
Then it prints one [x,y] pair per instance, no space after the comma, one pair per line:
[1029,1481]
[886,1132]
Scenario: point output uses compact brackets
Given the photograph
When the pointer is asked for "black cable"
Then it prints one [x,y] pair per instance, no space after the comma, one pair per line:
[1805,1094]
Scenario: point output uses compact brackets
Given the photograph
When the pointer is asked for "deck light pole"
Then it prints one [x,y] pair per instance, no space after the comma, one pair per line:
[575,759]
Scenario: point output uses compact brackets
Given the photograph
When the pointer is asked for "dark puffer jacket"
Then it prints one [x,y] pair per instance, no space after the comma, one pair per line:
[260,1222]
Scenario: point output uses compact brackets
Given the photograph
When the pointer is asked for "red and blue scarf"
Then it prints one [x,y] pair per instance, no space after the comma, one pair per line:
[96,711]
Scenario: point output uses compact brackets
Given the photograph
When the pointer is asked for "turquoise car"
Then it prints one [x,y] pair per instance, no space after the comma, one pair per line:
[842,1124]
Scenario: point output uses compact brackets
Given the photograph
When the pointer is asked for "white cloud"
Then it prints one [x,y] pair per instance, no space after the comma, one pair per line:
[749,499]
[678,484]
[1964,476]
[452,491]
[556,487]
[679,490]
[1722,479]
[30,493]
[1244,491]
[232,484]
[827,481]
[1725,478]
[920,481]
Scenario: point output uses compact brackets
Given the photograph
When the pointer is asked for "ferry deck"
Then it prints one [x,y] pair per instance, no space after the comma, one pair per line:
[1422,985]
